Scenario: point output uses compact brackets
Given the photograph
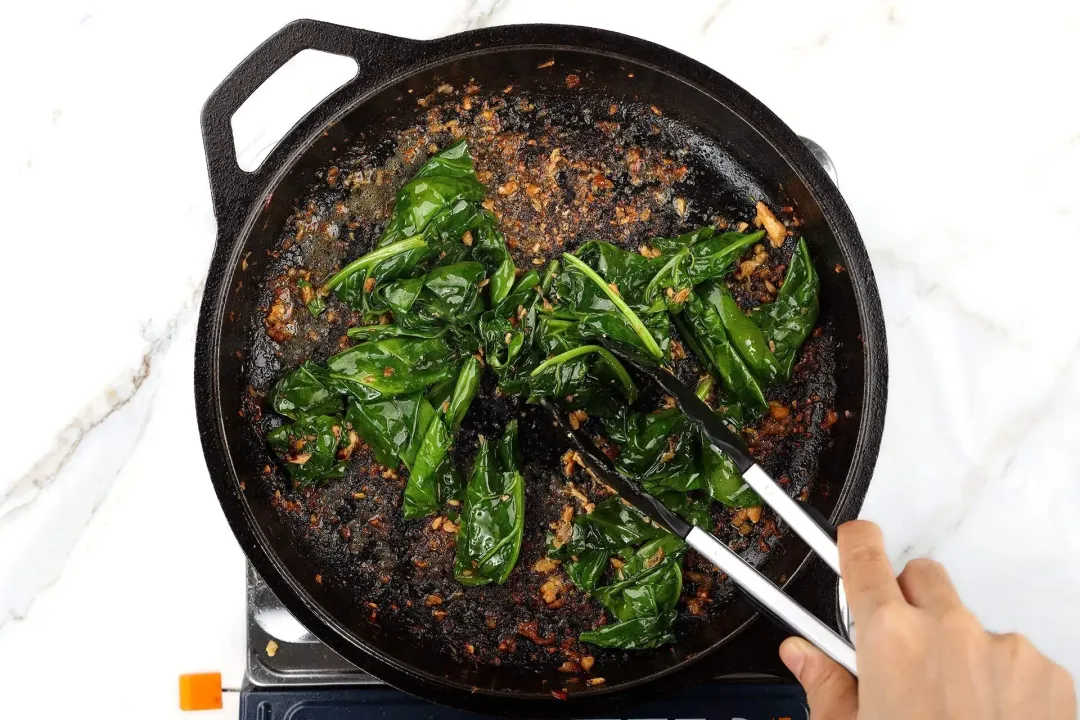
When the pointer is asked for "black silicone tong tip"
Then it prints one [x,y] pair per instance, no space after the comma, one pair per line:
[595,460]
[698,412]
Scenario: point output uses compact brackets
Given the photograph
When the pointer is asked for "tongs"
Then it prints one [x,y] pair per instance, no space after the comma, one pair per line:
[817,533]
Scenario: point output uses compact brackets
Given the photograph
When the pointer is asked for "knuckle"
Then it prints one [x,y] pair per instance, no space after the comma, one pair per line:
[960,622]
[1015,646]
[863,554]
[924,567]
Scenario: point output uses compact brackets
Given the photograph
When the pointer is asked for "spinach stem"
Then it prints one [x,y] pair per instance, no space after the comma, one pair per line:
[631,317]
[629,389]
[661,274]
[373,258]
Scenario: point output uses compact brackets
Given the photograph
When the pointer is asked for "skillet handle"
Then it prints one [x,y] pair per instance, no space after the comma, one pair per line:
[234,189]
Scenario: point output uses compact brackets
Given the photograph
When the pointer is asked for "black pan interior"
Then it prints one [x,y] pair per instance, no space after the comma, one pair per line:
[733,164]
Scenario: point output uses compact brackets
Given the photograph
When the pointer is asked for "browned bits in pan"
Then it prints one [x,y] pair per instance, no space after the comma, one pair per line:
[552,592]
[546,64]
[531,631]
[573,81]
[550,188]
[546,565]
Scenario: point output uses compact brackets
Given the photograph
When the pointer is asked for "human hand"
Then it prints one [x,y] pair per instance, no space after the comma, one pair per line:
[920,653]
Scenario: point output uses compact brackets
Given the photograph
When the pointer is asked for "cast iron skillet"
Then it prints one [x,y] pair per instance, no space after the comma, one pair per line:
[751,149]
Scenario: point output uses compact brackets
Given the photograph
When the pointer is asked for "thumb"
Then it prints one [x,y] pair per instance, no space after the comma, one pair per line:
[830,689]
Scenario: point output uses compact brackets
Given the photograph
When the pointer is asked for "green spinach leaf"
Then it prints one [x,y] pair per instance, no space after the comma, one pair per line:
[611,525]
[489,248]
[641,633]
[493,519]
[628,271]
[371,333]
[743,334]
[424,492]
[589,301]
[308,448]
[702,323]
[393,366]
[725,482]
[548,381]
[643,596]
[586,571]
[449,294]
[385,424]
[444,180]
[307,390]
[659,450]
[691,259]
[690,508]
[648,583]
[790,319]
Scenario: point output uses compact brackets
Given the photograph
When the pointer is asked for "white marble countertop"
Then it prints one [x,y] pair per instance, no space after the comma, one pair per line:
[956,131]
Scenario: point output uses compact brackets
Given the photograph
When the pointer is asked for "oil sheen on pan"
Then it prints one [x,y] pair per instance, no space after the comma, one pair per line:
[558,175]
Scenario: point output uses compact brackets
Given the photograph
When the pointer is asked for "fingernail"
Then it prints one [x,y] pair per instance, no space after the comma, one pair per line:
[793,653]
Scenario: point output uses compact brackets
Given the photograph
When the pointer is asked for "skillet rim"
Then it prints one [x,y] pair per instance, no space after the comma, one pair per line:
[236,214]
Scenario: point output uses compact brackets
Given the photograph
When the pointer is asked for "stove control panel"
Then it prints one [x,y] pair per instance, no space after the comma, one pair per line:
[716,701]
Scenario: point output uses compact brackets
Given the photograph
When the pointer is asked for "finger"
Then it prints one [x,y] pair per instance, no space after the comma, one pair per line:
[868,576]
[831,692]
[926,584]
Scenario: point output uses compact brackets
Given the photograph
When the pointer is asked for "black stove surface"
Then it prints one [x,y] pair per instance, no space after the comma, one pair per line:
[291,674]
[712,701]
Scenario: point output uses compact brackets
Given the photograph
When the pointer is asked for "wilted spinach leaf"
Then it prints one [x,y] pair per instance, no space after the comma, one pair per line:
[659,450]
[371,333]
[431,480]
[489,249]
[643,596]
[449,294]
[584,299]
[743,334]
[790,319]
[307,390]
[308,447]
[556,376]
[628,271]
[612,525]
[489,536]
[586,571]
[691,259]
[640,633]
[702,323]
[725,482]
[382,264]
[393,366]
[445,179]
[649,581]
[690,508]
[385,424]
